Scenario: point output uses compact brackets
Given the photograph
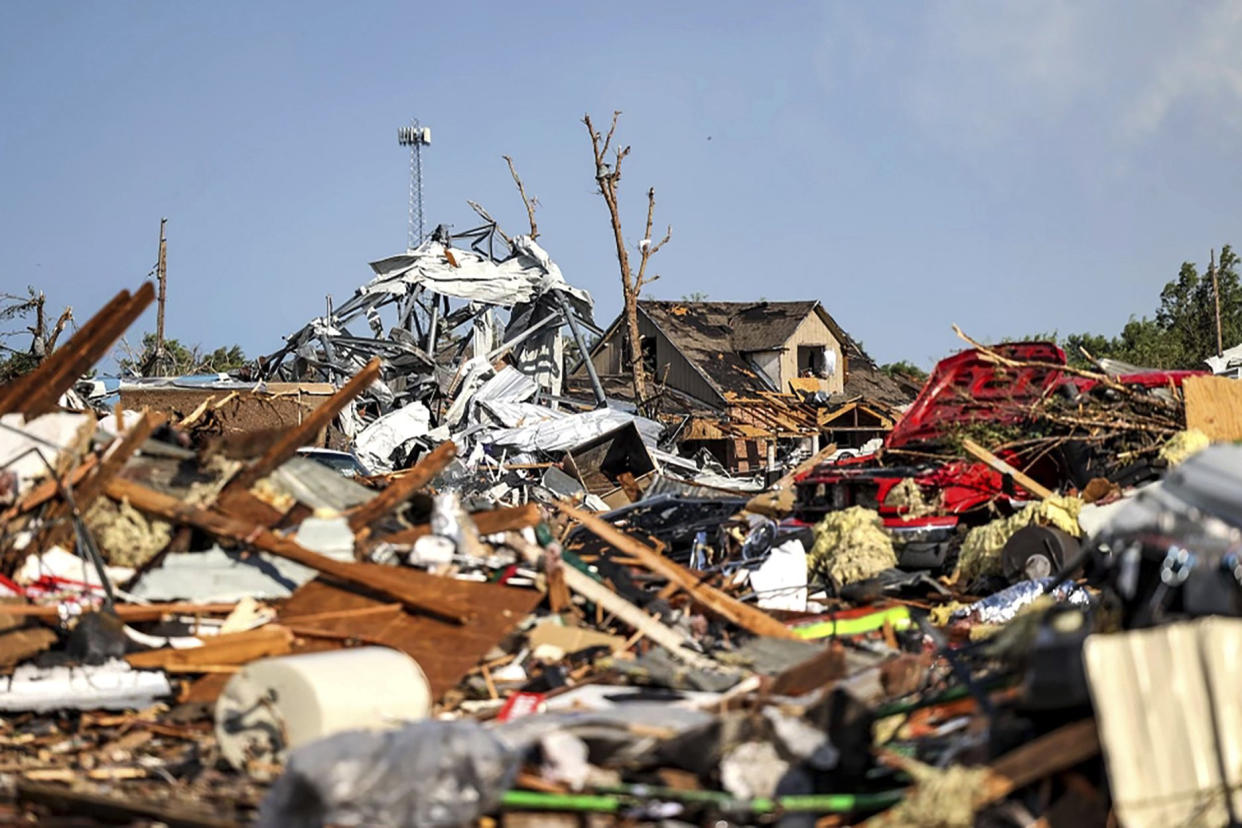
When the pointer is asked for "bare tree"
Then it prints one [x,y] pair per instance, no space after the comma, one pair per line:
[607,177]
[43,339]
[529,202]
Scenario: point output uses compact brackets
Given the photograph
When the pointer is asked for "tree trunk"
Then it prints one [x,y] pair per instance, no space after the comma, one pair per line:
[636,348]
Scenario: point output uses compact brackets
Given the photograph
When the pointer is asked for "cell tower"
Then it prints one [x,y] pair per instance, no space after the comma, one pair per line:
[415,137]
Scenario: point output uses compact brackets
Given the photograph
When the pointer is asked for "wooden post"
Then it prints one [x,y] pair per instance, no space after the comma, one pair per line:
[1220,345]
[161,272]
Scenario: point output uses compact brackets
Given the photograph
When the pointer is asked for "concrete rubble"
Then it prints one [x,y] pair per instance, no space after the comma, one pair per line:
[415,569]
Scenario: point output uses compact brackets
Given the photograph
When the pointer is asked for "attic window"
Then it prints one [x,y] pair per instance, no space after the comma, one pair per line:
[816,361]
[648,345]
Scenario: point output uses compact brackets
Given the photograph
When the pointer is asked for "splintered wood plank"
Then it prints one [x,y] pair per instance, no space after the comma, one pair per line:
[490,522]
[399,490]
[230,649]
[293,439]
[446,652]
[1214,406]
[379,579]
[998,465]
[17,390]
[750,618]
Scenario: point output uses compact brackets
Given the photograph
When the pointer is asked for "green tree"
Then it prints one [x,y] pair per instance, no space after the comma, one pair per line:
[180,360]
[1183,331]
[43,335]
[904,368]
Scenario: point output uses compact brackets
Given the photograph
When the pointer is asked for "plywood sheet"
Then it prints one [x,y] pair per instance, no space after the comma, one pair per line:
[1214,406]
[444,650]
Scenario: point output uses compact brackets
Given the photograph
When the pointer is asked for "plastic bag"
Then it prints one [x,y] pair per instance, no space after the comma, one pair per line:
[427,773]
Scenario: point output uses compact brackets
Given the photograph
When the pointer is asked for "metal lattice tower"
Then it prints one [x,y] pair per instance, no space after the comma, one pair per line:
[415,137]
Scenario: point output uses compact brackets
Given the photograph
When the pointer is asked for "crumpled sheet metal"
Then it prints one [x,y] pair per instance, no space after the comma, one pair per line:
[376,444]
[557,430]
[1002,607]
[520,278]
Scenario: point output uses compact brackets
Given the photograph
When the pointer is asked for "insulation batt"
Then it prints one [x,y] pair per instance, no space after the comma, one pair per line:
[851,545]
[981,551]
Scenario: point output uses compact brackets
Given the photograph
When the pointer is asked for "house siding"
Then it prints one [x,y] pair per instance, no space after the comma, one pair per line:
[812,331]
[672,368]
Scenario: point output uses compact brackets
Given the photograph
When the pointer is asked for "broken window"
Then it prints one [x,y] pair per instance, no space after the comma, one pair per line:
[816,361]
[648,346]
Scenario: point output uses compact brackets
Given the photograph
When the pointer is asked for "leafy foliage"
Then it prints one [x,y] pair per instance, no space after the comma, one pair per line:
[180,360]
[1182,332]
[904,368]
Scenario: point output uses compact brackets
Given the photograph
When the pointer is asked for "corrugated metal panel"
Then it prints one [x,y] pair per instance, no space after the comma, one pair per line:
[509,384]
[319,487]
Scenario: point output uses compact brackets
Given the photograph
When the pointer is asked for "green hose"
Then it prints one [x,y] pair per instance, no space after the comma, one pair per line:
[616,797]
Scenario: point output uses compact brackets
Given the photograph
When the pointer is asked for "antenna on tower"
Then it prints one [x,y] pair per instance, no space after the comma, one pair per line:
[415,137]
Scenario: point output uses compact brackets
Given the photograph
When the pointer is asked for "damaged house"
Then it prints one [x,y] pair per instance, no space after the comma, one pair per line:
[747,376]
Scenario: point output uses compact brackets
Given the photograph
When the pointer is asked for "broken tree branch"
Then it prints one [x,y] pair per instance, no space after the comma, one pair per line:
[529,203]
[645,247]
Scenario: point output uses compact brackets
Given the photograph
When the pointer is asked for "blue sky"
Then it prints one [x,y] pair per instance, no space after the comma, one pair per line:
[1012,167]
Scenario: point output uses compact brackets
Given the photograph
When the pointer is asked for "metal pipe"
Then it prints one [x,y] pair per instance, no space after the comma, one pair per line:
[600,400]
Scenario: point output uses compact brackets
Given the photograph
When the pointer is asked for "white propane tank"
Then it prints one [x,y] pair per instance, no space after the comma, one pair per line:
[273,705]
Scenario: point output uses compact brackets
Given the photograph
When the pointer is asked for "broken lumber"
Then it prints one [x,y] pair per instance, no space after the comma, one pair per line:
[260,537]
[92,487]
[230,649]
[1040,758]
[749,618]
[489,522]
[399,490]
[20,388]
[295,438]
[112,808]
[996,464]
[126,612]
[623,610]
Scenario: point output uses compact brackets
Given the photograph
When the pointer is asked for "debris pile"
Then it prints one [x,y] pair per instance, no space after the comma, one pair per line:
[493,602]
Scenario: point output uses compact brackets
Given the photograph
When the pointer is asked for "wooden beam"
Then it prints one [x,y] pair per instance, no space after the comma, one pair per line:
[305,432]
[1038,759]
[48,489]
[231,648]
[996,464]
[490,522]
[623,610]
[13,393]
[118,807]
[126,612]
[399,490]
[260,537]
[750,618]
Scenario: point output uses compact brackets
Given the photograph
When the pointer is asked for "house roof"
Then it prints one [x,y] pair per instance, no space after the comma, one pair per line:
[745,326]
[717,337]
